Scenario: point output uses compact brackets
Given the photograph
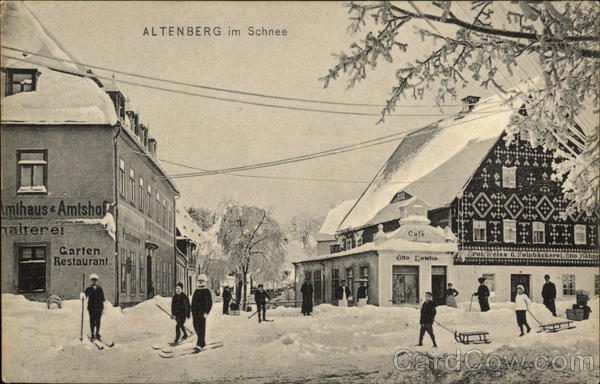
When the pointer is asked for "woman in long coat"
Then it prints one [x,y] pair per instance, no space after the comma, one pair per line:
[307,297]
[451,293]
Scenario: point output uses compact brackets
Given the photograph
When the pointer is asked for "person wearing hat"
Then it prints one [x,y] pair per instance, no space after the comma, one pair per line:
[180,310]
[307,296]
[261,297]
[522,303]
[428,312]
[201,306]
[483,293]
[549,295]
[95,305]
[226,300]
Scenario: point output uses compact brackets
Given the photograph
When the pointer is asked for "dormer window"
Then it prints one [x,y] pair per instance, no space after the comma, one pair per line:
[20,80]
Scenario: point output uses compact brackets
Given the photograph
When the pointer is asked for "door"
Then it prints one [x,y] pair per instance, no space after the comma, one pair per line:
[149,282]
[438,284]
[516,280]
[405,284]
[317,291]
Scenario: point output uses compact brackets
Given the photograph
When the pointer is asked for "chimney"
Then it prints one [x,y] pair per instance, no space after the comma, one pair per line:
[152,146]
[469,103]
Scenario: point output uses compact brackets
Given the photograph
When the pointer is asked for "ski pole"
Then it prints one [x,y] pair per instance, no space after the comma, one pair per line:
[171,316]
[258,310]
[82,300]
[470,305]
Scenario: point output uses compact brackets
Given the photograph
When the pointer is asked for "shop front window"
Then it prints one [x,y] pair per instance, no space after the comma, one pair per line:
[32,268]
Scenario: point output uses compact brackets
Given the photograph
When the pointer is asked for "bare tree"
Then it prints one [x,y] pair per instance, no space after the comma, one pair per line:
[304,227]
[204,217]
[253,243]
[562,38]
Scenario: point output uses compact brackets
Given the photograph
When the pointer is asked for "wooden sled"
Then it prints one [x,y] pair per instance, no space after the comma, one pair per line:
[556,327]
[477,337]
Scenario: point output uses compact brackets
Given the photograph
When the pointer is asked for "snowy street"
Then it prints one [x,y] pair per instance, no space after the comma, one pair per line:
[334,345]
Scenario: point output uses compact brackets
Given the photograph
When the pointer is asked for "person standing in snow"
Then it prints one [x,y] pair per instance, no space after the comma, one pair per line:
[180,310]
[261,297]
[483,294]
[343,294]
[522,303]
[95,305]
[307,297]
[451,294]
[201,306]
[226,300]
[549,295]
[428,312]
[361,294]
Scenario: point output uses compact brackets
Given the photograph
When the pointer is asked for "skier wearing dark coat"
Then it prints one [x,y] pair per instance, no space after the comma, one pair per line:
[201,306]
[260,298]
[307,297]
[483,293]
[549,295]
[180,310]
[428,312]
[95,305]
[226,300]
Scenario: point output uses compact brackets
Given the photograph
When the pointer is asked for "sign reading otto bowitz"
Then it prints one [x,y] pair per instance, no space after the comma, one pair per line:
[534,255]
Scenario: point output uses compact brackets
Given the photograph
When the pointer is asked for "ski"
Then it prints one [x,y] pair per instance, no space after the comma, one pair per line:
[171,345]
[178,347]
[106,343]
[98,344]
[190,351]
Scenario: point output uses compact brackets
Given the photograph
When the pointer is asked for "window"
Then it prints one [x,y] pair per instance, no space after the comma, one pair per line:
[580,238]
[133,258]
[20,80]
[335,282]
[568,284]
[142,275]
[334,248]
[539,233]
[490,281]
[479,230]
[32,268]
[510,231]
[156,208]
[350,280]
[158,277]
[149,201]
[123,270]
[122,177]
[32,171]
[348,242]
[164,213]
[364,272]
[141,197]
[132,190]
[509,177]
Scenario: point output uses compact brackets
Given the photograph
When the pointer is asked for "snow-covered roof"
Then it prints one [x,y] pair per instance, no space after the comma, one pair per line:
[59,98]
[333,219]
[435,162]
[187,226]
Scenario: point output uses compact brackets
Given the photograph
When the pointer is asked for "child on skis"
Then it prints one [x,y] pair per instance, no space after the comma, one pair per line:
[180,310]
[201,306]
[522,303]
[261,297]
[95,305]
[428,312]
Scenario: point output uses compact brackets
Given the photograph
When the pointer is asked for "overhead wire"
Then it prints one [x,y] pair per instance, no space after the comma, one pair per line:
[218,89]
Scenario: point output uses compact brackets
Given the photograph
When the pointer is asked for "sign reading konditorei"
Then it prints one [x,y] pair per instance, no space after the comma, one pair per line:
[61,208]
[525,254]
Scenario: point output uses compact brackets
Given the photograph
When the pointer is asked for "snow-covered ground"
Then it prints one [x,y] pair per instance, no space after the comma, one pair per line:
[334,345]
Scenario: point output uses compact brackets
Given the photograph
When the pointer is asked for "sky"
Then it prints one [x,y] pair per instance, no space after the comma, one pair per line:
[213,134]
